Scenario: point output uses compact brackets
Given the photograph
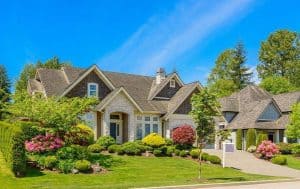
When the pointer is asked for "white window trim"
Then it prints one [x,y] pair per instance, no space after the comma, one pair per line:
[88,89]
[172,83]
[151,122]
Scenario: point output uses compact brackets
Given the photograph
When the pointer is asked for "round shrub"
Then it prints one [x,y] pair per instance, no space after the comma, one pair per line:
[184,135]
[120,151]
[43,143]
[279,160]
[170,150]
[182,153]
[251,149]
[106,141]
[51,162]
[204,156]
[83,165]
[157,152]
[177,152]
[261,137]
[95,148]
[296,150]
[195,153]
[250,138]
[132,148]
[267,149]
[169,142]
[65,166]
[214,159]
[80,134]
[154,140]
[73,152]
[285,148]
[113,148]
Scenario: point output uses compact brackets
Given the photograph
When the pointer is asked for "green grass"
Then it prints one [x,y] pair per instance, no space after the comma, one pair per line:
[128,172]
[293,162]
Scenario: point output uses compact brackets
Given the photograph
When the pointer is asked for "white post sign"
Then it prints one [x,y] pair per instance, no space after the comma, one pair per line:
[227,147]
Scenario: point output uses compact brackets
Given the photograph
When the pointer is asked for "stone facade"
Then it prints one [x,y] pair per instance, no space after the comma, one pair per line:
[80,90]
[177,120]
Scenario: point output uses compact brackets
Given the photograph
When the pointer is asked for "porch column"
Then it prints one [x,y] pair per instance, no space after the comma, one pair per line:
[277,136]
[131,126]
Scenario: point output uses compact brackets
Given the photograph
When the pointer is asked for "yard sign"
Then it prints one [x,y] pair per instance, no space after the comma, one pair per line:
[227,147]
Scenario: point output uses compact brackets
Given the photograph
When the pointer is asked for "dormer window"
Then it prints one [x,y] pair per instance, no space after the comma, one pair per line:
[172,83]
[92,90]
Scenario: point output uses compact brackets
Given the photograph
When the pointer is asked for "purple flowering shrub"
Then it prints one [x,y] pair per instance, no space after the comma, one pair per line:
[267,149]
[42,143]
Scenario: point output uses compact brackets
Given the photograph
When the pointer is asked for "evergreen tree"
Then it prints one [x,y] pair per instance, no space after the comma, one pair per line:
[4,91]
[240,74]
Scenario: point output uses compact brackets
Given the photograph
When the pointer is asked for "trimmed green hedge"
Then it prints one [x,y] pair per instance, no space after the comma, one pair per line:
[13,148]
[261,137]
[239,139]
[250,138]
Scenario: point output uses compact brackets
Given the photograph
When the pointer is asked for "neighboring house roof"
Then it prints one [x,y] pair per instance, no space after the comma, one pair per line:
[251,102]
[138,88]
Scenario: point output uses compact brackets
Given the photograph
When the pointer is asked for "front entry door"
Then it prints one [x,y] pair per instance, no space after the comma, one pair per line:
[114,131]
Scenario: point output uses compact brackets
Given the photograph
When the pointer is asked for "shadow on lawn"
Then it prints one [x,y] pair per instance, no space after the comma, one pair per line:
[34,172]
[228,178]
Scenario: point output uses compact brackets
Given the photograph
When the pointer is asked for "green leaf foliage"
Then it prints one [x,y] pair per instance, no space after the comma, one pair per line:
[250,138]
[13,148]
[277,85]
[261,137]
[279,55]
[293,129]
[4,92]
[239,139]
[204,109]
[57,115]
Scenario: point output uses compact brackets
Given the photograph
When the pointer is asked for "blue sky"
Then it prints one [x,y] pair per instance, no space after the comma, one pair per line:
[138,36]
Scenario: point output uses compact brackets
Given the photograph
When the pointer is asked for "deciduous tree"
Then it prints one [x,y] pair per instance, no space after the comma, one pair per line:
[293,129]
[277,85]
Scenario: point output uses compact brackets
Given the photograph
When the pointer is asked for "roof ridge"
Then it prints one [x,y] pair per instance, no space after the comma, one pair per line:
[128,74]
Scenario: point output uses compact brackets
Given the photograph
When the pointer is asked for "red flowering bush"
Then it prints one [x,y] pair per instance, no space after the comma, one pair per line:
[41,143]
[184,135]
[267,149]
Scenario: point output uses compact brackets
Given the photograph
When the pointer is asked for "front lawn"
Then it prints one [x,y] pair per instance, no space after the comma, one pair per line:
[128,171]
[293,162]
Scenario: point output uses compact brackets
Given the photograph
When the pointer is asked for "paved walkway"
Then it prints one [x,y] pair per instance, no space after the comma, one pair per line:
[246,162]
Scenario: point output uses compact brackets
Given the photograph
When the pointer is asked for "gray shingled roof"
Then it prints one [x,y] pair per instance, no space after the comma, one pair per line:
[35,86]
[55,82]
[286,100]
[251,101]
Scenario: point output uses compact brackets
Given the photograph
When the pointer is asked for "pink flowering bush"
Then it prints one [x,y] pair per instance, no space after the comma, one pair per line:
[267,149]
[41,143]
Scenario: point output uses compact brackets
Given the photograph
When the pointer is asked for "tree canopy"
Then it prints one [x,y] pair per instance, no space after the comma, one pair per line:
[230,73]
[293,129]
[279,55]
[58,115]
[29,71]
[277,85]
[4,91]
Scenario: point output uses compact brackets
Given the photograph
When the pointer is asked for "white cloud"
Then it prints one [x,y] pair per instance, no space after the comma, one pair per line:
[164,38]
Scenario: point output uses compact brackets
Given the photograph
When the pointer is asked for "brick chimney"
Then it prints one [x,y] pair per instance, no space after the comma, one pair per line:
[160,75]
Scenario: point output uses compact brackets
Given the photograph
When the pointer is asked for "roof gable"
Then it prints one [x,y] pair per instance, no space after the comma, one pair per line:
[286,100]
[270,113]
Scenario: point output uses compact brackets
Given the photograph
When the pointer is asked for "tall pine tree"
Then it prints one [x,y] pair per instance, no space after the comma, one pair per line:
[4,91]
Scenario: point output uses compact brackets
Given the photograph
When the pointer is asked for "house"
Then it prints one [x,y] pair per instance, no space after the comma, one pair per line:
[131,106]
[253,107]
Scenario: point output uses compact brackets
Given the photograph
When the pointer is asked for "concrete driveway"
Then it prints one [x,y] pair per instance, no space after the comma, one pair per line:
[246,162]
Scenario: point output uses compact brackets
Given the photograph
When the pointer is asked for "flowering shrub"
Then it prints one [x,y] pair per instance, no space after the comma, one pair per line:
[154,140]
[267,149]
[184,135]
[80,134]
[41,143]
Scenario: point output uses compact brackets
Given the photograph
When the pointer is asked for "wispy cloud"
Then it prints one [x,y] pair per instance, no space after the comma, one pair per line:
[164,38]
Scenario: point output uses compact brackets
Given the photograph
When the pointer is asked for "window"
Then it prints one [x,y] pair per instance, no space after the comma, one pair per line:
[139,131]
[270,113]
[229,116]
[147,118]
[172,83]
[155,119]
[92,90]
[155,128]
[147,129]
[114,116]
